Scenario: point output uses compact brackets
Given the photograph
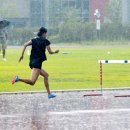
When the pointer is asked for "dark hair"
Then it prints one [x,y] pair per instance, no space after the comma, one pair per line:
[41,31]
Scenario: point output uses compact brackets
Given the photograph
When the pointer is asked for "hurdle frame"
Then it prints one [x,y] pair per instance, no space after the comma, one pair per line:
[98,94]
[112,62]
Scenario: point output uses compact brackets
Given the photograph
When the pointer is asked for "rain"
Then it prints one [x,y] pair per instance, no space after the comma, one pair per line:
[89,73]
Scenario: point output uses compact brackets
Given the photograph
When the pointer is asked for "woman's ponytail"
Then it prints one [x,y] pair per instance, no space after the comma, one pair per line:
[41,31]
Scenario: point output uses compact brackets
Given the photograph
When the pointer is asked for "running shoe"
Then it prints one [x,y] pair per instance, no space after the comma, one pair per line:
[52,95]
[15,79]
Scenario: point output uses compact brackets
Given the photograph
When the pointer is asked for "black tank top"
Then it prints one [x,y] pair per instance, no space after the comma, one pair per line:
[39,48]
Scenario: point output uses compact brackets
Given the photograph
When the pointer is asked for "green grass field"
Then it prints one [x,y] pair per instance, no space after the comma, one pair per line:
[77,70]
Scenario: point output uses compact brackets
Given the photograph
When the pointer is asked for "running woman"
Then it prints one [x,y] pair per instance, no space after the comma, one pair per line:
[38,55]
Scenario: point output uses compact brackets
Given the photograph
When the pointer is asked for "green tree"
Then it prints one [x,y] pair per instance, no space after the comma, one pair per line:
[114,11]
[70,28]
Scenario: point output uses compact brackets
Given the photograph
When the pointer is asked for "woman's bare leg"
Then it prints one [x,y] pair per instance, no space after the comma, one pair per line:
[34,76]
[45,75]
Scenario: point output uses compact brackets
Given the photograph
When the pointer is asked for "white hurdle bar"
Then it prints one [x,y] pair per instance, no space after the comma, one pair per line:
[112,62]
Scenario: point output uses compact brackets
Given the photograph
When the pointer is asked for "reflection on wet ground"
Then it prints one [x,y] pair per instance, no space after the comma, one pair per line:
[68,111]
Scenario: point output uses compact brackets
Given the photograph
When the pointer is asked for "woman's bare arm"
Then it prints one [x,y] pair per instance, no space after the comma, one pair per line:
[50,50]
[24,48]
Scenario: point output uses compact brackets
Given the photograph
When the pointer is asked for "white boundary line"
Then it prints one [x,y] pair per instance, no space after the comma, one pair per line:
[62,91]
[107,111]
[90,111]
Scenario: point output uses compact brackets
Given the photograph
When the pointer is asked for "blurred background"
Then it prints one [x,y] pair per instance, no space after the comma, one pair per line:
[75,21]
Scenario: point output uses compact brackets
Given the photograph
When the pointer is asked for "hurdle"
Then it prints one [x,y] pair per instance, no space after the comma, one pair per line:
[113,62]
[98,94]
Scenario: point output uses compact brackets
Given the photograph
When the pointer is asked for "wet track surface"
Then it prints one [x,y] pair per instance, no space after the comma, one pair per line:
[68,111]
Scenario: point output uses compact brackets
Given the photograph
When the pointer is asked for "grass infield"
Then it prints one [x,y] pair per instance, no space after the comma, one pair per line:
[73,68]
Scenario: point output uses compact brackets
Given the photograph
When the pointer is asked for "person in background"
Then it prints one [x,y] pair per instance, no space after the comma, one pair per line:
[3,45]
[37,57]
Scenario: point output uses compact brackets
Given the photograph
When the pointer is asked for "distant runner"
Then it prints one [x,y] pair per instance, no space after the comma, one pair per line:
[3,39]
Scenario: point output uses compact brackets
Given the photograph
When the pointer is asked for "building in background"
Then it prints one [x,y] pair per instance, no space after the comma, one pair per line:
[45,12]
[37,12]
[53,12]
[17,12]
[101,5]
[58,11]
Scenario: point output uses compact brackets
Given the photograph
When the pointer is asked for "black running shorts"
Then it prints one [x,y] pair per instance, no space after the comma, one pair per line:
[35,63]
